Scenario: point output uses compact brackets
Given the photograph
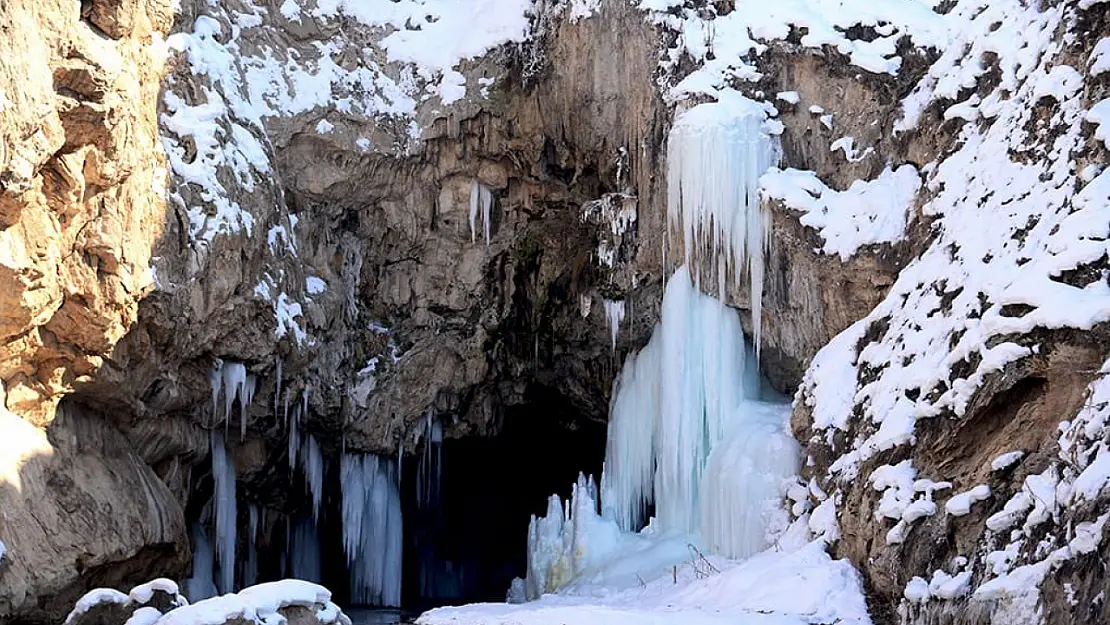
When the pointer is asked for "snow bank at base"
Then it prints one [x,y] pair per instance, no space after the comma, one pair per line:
[771,588]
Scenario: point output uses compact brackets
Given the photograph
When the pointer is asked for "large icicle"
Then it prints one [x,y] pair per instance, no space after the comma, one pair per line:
[232,380]
[614,315]
[716,153]
[481,200]
[223,474]
[372,531]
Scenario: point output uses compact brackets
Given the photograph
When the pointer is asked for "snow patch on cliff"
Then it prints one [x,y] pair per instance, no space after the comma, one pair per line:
[868,212]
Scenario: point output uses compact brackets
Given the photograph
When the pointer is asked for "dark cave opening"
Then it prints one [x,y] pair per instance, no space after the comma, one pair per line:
[471,544]
[464,534]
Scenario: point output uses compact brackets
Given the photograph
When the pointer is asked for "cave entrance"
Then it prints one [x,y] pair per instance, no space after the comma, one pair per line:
[466,537]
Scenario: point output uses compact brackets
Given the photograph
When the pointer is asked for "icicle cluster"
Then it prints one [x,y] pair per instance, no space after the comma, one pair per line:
[481,200]
[716,153]
[372,530]
[232,381]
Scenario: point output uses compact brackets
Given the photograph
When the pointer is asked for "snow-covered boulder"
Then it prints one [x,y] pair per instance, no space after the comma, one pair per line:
[295,602]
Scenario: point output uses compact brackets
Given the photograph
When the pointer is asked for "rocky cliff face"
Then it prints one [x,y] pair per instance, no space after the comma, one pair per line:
[380,232]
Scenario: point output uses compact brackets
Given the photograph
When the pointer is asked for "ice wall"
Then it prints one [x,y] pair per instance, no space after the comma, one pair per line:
[716,153]
[372,530]
[690,432]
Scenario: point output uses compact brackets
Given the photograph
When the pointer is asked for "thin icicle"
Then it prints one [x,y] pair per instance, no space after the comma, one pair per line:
[614,315]
[716,153]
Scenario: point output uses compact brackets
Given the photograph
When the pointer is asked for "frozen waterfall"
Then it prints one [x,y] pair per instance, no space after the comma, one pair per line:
[716,153]
[690,434]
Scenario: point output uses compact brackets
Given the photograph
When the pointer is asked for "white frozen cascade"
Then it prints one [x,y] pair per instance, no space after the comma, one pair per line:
[688,432]
[372,531]
[716,153]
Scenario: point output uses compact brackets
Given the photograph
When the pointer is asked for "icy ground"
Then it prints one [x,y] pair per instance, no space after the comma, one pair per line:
[795,586]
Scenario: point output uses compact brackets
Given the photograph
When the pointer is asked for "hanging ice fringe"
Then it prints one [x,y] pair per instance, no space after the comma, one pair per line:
[716,153]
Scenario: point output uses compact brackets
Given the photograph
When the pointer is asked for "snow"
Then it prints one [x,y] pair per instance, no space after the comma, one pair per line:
[790,97]
[1006,460]
[143,593]
[580,9]
[794,587]
[1100,116]
[436,35]
[258,603]
[1100,58]
[868,212]
[3,550]
[848,146]
[324,127]
[290,10]
[960,503]
[372,530]
[716,153]
[287,311]
[95,597]
[1009,215]
[144,616]
[315,286]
